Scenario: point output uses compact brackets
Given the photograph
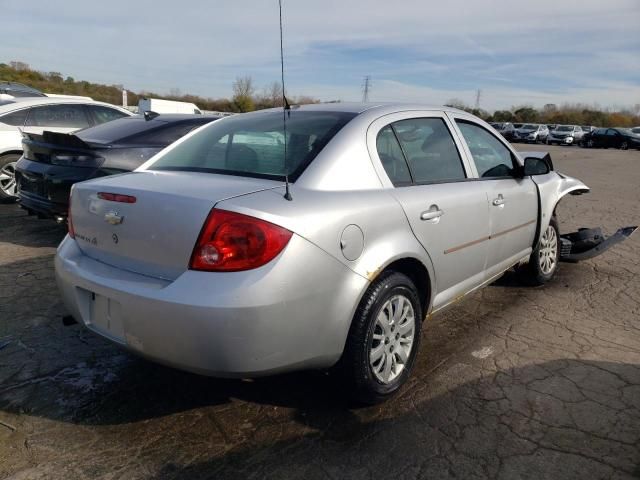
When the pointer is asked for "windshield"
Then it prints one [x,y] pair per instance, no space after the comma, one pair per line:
[528,126]
[565,128]
[254,144]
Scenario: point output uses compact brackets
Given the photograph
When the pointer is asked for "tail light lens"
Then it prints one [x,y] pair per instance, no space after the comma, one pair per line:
[231,242]
[72,232]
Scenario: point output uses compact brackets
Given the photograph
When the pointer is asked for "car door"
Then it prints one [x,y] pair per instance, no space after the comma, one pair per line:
[63,118]
[613,138]
[448,215]
[512,199]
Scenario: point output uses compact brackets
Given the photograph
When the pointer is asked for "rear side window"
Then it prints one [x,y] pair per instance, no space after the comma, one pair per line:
[254,144]
[102,114]
[61,116]
[430,150]
[492,158]
[392,158]
[15,119]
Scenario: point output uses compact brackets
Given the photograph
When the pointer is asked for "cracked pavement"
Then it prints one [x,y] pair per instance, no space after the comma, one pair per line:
[514,382]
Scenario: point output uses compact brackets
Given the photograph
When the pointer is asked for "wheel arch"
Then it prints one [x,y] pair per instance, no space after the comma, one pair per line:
[11,152]
[419,274]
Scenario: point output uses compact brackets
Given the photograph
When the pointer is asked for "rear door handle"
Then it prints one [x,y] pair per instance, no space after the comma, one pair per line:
[433,213]
[498,201]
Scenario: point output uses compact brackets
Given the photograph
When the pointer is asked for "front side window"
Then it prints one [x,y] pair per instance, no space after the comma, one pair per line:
[61,116]
[15,119]
[492,158]
[254,144]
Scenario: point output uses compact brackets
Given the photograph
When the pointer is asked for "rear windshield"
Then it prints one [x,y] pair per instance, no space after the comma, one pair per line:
[254,144]
[111,132]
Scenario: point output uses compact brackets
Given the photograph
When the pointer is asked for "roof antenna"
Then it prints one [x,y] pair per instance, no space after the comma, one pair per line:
[286,109]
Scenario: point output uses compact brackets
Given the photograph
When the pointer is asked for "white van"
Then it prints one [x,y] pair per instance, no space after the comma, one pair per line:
[166,106]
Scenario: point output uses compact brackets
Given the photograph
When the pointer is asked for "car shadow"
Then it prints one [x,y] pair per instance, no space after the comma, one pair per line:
[559,419]
[19,228]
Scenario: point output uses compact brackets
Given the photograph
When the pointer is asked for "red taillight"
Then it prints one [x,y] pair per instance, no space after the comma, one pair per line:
[230,242]
[116,197]
[72,232]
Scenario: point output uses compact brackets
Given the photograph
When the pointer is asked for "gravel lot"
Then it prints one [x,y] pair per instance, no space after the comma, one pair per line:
[514,382]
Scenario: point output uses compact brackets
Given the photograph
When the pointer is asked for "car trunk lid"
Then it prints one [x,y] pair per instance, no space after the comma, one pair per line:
[156,234]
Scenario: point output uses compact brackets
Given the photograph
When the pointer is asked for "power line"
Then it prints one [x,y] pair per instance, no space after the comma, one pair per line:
[366,88]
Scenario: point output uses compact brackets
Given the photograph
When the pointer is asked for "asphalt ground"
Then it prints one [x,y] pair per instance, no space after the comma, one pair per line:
[513,382]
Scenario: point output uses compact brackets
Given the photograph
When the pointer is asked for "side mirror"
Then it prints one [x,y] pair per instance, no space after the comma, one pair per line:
[536,166]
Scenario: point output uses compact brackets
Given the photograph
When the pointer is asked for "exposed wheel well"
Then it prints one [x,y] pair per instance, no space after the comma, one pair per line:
[11,152]
[417,272]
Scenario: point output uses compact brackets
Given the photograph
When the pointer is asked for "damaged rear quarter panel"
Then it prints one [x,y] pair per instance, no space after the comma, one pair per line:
[551,188]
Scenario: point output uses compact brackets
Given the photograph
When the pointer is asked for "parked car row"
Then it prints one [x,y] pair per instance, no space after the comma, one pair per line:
[583,135]
[35,115]
[52,162]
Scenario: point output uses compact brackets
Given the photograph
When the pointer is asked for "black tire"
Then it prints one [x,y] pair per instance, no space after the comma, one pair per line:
[532,273]
[624,145]
[354,367]
[7,166]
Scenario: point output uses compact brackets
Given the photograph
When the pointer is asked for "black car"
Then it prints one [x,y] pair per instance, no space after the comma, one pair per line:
[52,162]
[506,129]
[621,138]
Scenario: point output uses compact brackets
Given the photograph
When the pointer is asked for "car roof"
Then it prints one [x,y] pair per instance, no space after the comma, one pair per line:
[20,102]
[360,107]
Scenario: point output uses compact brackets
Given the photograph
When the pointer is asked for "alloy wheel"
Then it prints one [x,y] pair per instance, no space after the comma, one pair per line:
[8,179]
[393,339]
[548,257]
[624,146]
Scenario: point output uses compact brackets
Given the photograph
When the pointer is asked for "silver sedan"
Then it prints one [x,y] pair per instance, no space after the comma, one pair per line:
[314,237]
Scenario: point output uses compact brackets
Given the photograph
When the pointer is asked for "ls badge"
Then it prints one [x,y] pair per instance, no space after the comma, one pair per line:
[113,218]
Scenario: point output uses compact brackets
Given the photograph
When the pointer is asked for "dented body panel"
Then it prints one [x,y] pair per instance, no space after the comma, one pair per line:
[552,187]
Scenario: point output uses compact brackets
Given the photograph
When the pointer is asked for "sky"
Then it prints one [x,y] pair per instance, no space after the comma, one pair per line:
[530,52]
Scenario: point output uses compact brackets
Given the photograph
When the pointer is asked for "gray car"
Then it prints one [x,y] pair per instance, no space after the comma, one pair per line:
[315,237]
[565,135]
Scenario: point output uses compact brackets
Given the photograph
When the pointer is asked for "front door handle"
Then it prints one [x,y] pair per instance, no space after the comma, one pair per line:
[434,213]
[498,201]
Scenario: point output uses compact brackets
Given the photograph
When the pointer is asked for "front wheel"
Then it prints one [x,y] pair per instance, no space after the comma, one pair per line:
[383,340]
[543,262]
[8,175]
[624,146]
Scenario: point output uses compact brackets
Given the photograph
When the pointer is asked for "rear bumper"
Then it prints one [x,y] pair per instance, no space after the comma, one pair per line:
[292,313]
[44,188]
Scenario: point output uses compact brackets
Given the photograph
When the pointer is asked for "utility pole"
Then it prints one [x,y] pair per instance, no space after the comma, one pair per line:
[478,95]
[366,87]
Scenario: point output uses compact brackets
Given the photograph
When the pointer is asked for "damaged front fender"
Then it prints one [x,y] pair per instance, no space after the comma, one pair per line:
[551,188]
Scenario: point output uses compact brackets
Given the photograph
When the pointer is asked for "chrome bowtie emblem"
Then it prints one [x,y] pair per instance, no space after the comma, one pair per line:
[113,218]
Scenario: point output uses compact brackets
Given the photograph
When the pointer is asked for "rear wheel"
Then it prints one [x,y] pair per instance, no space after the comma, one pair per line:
[383,340]
[543,262]
[8,175]
[624,145]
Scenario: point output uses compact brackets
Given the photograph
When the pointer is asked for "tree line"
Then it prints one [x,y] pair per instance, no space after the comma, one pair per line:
[552,114]
[247,97]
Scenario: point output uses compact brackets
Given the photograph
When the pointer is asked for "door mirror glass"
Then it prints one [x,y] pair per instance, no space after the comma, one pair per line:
[535,166]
